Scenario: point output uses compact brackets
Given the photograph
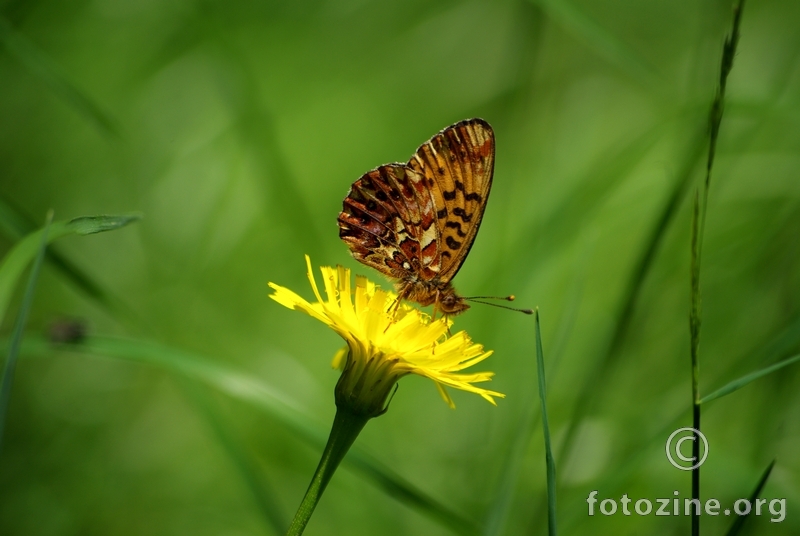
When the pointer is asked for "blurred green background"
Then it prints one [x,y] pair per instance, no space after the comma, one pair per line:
[237,127]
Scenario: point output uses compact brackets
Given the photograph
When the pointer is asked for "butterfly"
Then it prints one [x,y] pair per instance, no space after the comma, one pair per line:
[416,222]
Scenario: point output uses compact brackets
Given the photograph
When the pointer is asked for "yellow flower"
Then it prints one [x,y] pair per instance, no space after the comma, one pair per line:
[383,345]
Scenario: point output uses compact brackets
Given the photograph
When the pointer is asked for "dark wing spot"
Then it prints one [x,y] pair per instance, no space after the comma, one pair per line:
[371,205]
[395,194]
[381,195]
[446,254]
[442,213]
[457,226]
[430,182]
[466,218]
[441,171]
[452,243]
[460,185]
[449,196]
[474,197]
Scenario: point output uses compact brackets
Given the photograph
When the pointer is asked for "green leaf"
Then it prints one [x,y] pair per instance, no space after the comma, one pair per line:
[15,262]
[86,225]
[735,385]
[551,464]
[15,225]
[19,327]
[740,521]
[260,396]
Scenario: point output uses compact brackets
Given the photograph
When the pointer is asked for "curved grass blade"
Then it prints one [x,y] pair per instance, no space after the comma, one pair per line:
[740,520]
[636,279]
[551,464]
[12,223]
[737,384]
[264,495]
[14,263]
[15,224]
[262,397]
[19,327]
[599,39]
[42,67]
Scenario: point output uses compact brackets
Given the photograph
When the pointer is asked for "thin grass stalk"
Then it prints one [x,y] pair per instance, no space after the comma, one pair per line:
[19,327]
[698,231]
[694,330]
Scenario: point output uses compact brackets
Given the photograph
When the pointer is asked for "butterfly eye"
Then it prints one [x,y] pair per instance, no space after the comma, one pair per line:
[449,300]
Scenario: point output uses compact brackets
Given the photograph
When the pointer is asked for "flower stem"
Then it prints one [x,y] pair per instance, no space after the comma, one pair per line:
[346,427]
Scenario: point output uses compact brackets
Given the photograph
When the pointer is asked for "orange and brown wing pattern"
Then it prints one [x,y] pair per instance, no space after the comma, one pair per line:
[388,221]
[457,166]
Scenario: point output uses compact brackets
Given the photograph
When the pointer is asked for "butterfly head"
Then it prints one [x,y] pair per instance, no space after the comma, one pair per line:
[451,303]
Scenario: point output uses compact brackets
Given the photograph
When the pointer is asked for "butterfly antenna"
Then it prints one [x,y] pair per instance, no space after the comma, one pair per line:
[504,298]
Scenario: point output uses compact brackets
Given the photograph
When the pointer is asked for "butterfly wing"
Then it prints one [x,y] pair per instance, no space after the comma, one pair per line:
[457,166]
[389,223]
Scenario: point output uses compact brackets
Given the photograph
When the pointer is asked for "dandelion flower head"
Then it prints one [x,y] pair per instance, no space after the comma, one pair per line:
[386,341]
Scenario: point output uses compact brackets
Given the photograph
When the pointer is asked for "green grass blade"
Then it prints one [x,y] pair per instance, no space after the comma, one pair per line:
[740,520]
[12,223]
[641,268]
[265,496]
[515,458]
[503,497]
[619,480]
[551,464]
[14,263]
[396,486]
[260,396]
[42,67]
[19,327]
[735,385]
[257,127]
[600,40]
[15,225]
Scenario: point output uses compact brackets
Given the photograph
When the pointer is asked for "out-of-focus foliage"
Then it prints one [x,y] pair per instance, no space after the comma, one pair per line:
[237,127]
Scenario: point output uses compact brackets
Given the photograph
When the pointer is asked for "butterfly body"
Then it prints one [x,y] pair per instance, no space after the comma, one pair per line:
[416,222]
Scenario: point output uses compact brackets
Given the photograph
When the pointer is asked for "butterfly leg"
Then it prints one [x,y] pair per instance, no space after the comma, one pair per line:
[396,305]
[436,310]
